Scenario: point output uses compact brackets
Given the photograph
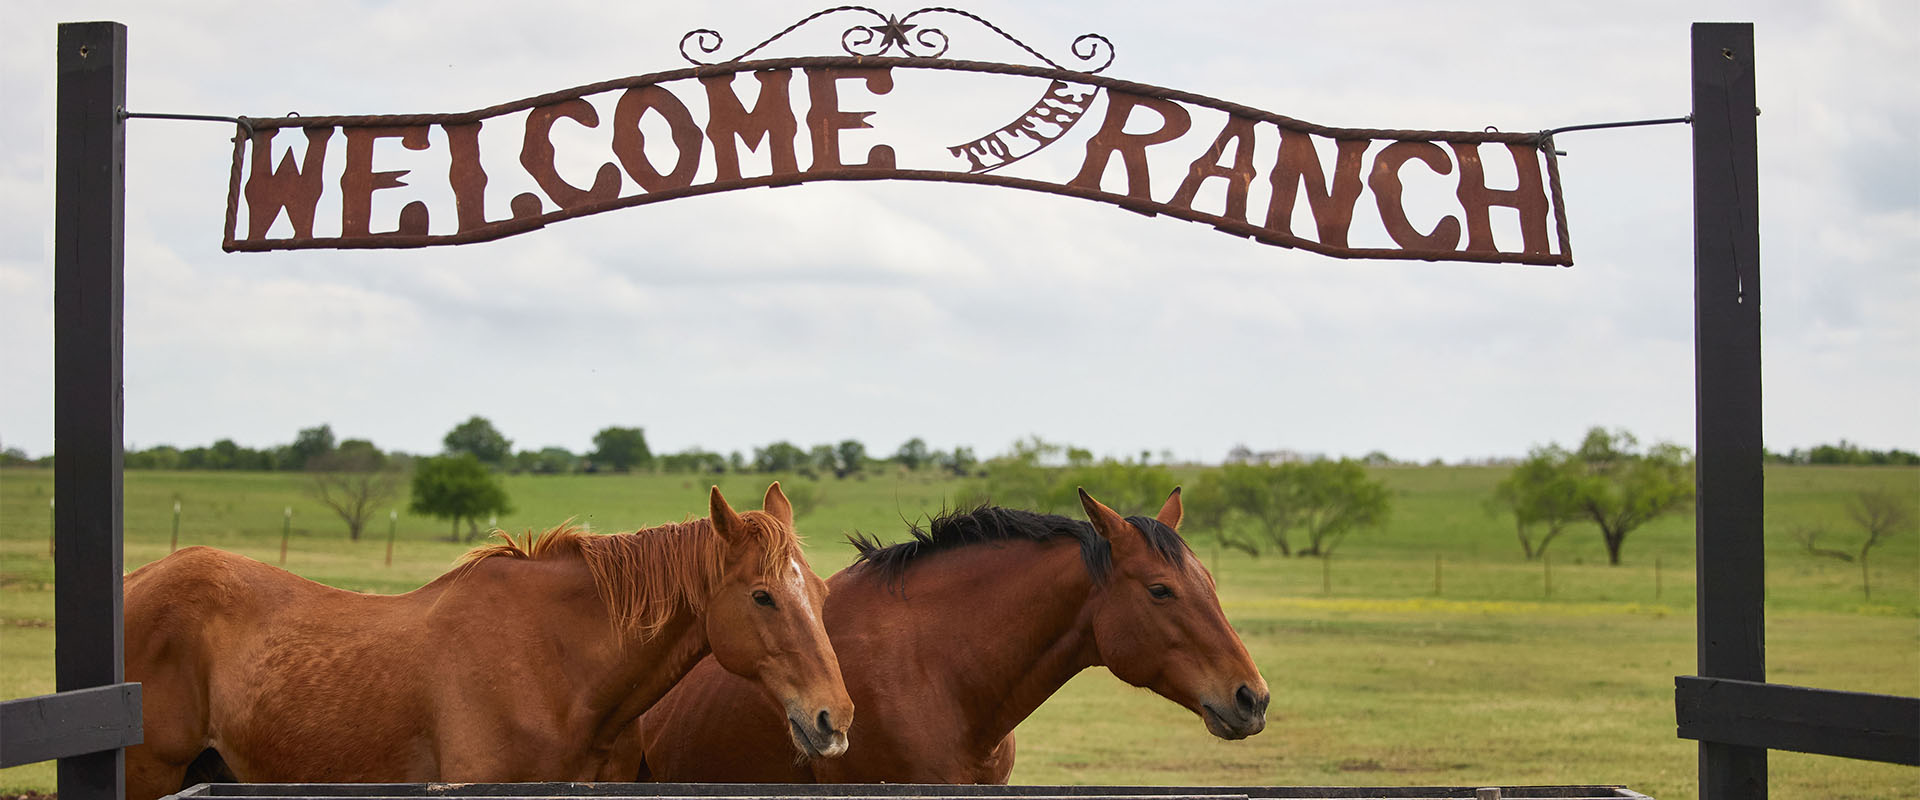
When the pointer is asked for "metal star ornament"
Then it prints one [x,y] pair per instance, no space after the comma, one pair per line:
[894,32]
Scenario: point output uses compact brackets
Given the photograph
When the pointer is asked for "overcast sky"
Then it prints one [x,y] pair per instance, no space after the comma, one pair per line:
[976,315]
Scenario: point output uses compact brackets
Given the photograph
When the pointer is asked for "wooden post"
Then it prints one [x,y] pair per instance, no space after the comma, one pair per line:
[89,219]
[174,545]
[393,521]
[1656,578]
[1730,559]
[286,532]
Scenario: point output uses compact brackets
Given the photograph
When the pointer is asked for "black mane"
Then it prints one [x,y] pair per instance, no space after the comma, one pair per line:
[962,527]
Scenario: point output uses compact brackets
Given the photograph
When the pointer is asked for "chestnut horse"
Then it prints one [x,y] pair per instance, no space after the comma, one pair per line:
[948,641]
[525,662]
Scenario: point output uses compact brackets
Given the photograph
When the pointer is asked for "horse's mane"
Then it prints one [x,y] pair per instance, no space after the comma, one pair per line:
[644,576]
[963,527]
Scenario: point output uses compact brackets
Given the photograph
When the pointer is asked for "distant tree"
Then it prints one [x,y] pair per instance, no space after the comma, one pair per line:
[454,488]
[1209,514]
[621,449]
[736,462]
[1128,487]
[805,496]
[1082,457]
[693,459]
[309,444]
[478,437]
[781,456]
[1881,514]
[1266,495]
[1543,490]
[849,457]
[225,454]
[1620,489]
[960,461]
[820,461]
[16,457]
[1377,458]
[1336,498]
[354,480]
[1018,479]
[546,461]
[158,457]
[913,454]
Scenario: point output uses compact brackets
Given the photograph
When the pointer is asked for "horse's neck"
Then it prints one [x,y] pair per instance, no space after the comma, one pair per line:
[644,673]
[1002,628]
[645,669]
[607,677]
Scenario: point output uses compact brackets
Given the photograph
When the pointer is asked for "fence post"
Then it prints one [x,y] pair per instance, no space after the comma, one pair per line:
[89,223]
[1729,548]
[286,531]
[1656,577]
[174,545]
[393,521]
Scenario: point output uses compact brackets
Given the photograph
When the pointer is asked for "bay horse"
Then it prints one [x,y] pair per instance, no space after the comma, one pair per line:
[523,663]
[949,640]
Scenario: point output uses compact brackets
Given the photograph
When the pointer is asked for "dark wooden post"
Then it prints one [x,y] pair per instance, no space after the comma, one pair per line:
[89,198]
[1730,558]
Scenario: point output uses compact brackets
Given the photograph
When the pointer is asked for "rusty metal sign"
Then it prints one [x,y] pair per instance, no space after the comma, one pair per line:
[716,126]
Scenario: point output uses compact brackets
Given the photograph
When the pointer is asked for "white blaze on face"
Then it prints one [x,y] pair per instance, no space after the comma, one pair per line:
[798,583]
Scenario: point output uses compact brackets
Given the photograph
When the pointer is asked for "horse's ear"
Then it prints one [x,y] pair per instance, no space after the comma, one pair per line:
[1104,520]
[776,504]
[1171,512]
[725,522]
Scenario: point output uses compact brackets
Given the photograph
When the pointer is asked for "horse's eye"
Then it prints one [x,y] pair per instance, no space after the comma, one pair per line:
[1160,591]
[761,597]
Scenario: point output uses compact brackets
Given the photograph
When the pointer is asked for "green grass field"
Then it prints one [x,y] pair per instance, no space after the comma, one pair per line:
[1382,674]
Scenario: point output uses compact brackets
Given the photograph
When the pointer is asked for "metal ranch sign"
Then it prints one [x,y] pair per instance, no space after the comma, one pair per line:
[335,182]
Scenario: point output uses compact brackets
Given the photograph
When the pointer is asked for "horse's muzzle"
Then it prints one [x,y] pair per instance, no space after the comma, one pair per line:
[816,736]
[1244,716]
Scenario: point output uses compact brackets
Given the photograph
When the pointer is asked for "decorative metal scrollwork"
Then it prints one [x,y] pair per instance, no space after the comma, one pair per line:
[890,33]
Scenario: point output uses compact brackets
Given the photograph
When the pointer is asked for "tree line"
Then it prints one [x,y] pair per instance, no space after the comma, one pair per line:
[1303,508]
[1846,453]
[615,449]
[356,479]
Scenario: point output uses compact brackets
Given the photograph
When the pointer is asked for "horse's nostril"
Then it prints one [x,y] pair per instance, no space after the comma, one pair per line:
[1249,703]
[825,721]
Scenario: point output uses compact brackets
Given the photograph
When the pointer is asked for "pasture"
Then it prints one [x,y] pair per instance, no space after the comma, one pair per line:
[1427,652]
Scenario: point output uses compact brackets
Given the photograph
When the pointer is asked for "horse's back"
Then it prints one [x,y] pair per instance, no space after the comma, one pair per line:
[177,606]
[179,611]
[225,647]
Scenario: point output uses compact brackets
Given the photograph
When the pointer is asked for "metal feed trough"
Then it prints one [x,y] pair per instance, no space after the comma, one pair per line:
[897,791]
